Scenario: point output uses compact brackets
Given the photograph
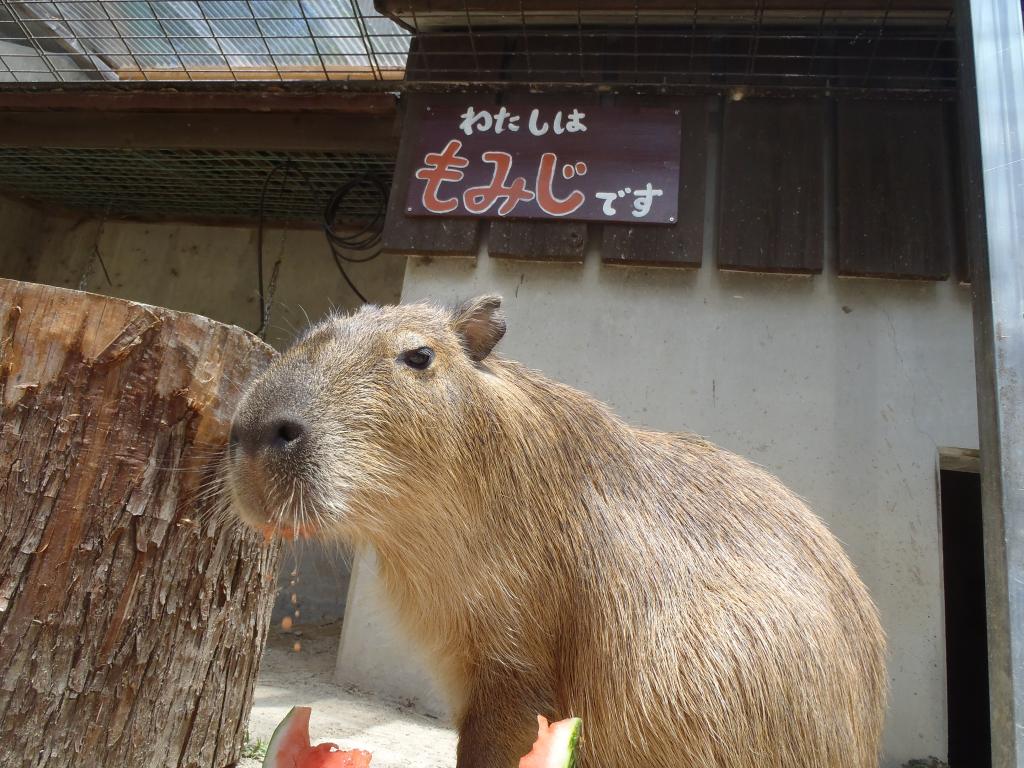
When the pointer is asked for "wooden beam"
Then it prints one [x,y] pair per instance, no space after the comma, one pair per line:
[422,15]
[240,130]
[191,97]
[896,207]
[992,116]
[310,72]
[770,213]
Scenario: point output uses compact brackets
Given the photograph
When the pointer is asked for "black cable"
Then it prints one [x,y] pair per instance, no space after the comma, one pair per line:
[344,274]
[366,239]
[369,236]
[261,329]
[363,240]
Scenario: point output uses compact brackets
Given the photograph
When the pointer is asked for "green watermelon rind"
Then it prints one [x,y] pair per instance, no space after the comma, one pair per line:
[271,759]
[563,755]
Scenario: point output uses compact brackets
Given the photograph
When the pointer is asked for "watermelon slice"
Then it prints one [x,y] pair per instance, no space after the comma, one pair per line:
[555,746]
[290,748]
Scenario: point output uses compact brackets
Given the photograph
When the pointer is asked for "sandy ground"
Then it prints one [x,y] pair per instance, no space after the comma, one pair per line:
[397,736]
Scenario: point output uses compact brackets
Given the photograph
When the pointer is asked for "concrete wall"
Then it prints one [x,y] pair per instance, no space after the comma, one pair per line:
[845,388]
[210,271]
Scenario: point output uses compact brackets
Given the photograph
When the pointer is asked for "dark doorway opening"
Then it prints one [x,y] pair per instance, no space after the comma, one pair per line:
[963,565]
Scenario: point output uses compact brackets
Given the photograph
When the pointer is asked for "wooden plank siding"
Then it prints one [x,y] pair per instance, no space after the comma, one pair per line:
[962,263]
[433,236]
[679,244]
[538,240]
[771,208]
[421,235]
[896,199]
[896,207]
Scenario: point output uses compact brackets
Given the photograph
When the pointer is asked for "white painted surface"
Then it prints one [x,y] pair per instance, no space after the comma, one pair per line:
[844,388]
[210,270]
[383,663]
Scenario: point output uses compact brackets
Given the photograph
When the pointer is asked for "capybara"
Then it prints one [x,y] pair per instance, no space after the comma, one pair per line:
[555,560]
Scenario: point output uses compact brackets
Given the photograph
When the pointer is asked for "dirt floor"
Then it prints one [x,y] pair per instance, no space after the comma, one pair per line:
[397,736]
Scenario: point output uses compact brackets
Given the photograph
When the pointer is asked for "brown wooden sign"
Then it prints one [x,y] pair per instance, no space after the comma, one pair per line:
[546,158]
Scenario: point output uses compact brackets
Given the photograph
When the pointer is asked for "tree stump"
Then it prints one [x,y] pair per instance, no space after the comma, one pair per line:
[131,620]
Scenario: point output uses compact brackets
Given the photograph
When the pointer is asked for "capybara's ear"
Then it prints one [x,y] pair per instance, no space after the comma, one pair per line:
[481,324]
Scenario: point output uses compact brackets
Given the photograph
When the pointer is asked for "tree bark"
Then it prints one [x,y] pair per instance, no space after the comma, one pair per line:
[131,619]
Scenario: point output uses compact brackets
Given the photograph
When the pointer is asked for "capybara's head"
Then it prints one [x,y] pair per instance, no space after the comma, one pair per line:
[363,414]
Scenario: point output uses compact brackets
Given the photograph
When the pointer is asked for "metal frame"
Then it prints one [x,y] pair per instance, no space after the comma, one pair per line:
[992,53]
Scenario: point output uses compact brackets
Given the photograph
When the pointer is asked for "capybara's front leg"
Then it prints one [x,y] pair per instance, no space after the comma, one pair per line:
[500,723]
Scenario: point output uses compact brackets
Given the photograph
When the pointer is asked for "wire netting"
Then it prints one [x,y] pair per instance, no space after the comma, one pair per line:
[186,184]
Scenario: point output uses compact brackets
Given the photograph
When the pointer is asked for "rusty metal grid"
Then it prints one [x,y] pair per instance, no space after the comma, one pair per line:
[192,184]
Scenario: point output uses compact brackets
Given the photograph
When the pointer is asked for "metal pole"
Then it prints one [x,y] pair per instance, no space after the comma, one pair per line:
[992,112]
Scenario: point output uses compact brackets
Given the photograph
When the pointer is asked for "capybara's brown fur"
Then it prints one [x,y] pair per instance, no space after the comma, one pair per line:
[554,560]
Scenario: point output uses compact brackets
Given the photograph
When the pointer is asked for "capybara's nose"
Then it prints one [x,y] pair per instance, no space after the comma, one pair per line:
[274,434]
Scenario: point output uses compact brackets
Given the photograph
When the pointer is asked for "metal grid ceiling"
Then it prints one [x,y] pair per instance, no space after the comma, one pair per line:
[818,47]
[79,40]
[192,184]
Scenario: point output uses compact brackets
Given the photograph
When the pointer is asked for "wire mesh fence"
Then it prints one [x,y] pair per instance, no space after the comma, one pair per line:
[193,184]
[870,45]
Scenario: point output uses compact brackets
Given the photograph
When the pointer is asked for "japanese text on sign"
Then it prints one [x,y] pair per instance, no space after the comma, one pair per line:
[548,161]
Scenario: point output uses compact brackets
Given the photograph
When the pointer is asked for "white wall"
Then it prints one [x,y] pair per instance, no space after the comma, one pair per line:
[845,388]
[210,270]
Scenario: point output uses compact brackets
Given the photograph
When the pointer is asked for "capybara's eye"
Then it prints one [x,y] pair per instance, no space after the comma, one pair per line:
[418,358]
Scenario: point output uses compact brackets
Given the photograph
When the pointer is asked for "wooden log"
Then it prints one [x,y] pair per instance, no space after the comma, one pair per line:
[131,620]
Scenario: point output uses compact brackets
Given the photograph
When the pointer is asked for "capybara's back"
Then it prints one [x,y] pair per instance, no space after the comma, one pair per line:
[724,625]
[679,599]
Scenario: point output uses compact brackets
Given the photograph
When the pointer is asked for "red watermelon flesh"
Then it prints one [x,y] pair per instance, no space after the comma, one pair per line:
[290,747]
[555,746]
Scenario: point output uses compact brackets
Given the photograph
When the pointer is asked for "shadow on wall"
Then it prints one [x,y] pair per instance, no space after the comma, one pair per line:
[313,583]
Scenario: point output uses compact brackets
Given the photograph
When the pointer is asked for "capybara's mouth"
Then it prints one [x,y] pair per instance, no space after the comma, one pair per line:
[275,509]
[288,532]
[276,521]
[286,523]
